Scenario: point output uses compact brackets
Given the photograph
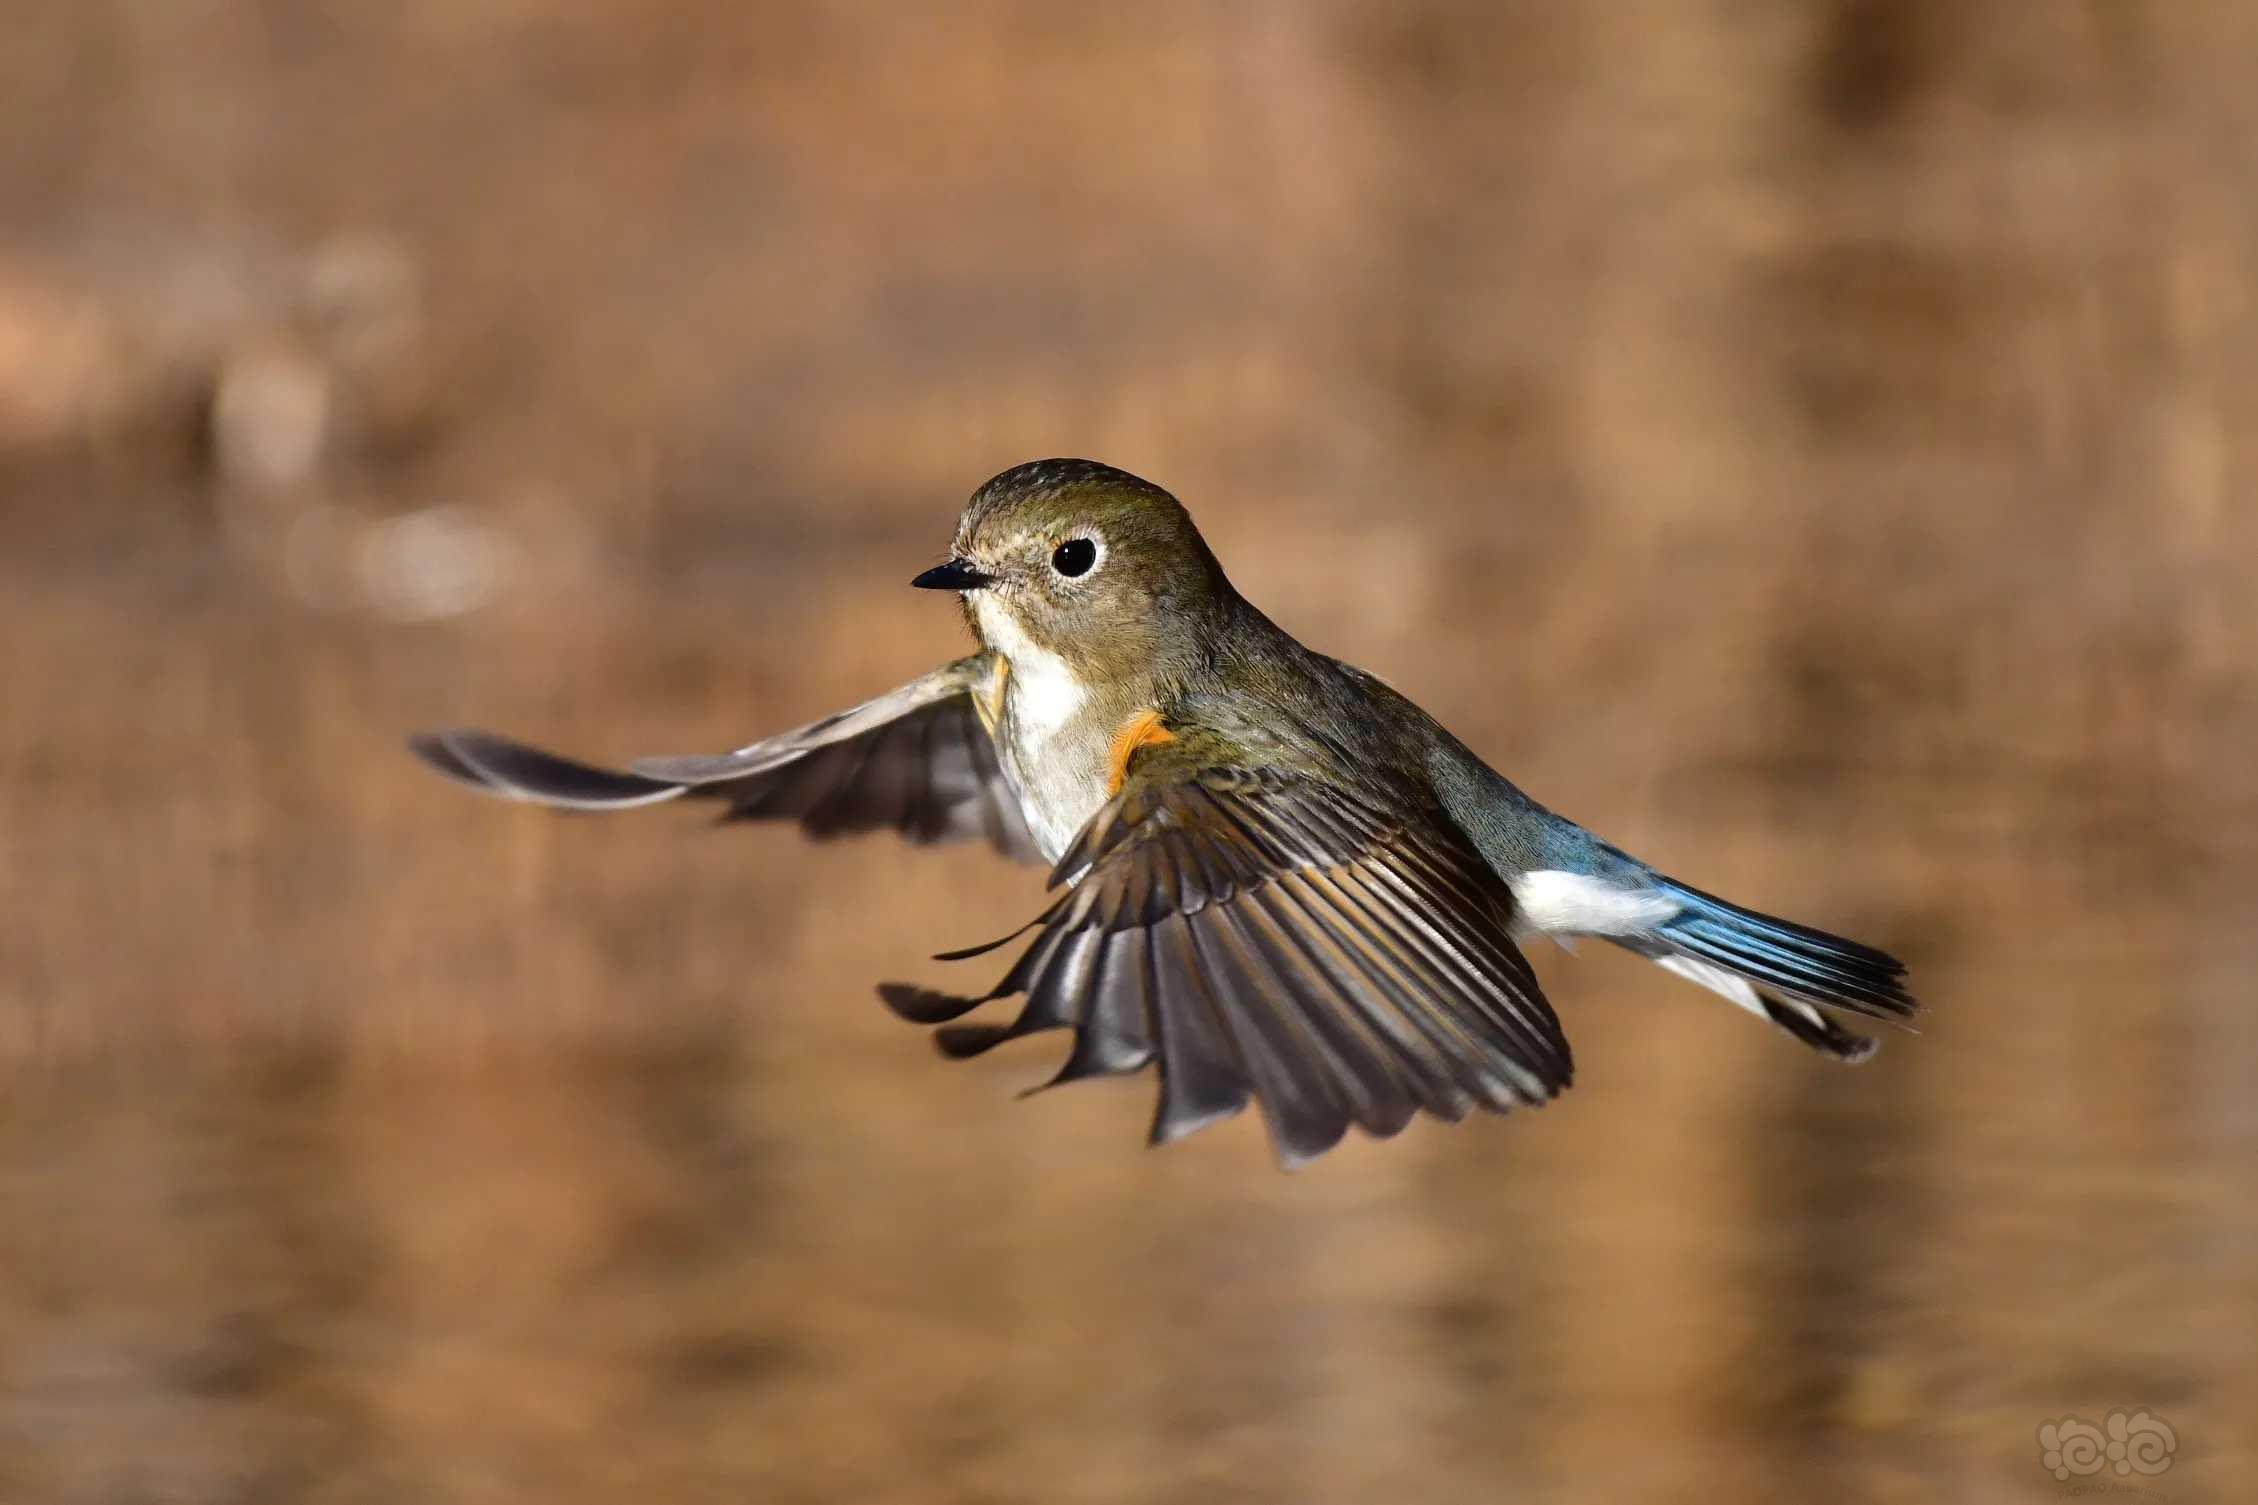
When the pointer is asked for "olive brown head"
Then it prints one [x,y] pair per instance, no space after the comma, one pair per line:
[1084,561]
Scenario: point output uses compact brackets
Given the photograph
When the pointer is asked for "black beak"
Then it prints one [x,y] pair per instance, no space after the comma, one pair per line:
[956,575]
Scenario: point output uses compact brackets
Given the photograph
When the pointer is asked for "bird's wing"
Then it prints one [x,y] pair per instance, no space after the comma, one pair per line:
[1269,935]
[915,760]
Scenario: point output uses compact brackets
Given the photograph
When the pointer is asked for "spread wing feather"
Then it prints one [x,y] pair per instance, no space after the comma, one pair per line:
[1263,936]
[915,760]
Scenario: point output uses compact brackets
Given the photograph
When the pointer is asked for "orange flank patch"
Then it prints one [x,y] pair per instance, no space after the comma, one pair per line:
[1144,729]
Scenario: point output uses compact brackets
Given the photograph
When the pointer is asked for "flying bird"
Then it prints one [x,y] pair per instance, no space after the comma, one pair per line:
[1275,879]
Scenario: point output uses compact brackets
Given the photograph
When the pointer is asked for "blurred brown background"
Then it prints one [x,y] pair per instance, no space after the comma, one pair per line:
[1812,443]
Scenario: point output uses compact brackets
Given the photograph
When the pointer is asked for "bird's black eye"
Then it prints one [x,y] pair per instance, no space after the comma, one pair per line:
[1074,557]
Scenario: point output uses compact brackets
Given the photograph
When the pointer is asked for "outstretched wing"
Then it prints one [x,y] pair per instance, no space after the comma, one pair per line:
[1265,935]
[915,760]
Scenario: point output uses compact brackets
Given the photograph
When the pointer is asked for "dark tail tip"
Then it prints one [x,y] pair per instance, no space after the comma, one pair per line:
[1818,1031]
[1789,958]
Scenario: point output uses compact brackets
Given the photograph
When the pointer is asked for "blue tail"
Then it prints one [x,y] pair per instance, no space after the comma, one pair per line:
[1791,958]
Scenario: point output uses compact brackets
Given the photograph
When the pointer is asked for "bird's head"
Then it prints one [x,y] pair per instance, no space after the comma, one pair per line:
[1084,562]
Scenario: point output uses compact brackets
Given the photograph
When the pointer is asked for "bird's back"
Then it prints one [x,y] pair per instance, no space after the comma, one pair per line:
[1290,705]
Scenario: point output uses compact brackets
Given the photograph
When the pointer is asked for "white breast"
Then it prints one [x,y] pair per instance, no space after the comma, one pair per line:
[1042,738]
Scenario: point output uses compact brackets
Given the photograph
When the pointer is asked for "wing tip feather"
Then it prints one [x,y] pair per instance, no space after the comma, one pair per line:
[925,1005]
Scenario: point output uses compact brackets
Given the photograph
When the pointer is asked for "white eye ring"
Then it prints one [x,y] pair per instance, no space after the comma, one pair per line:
[1077,557]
